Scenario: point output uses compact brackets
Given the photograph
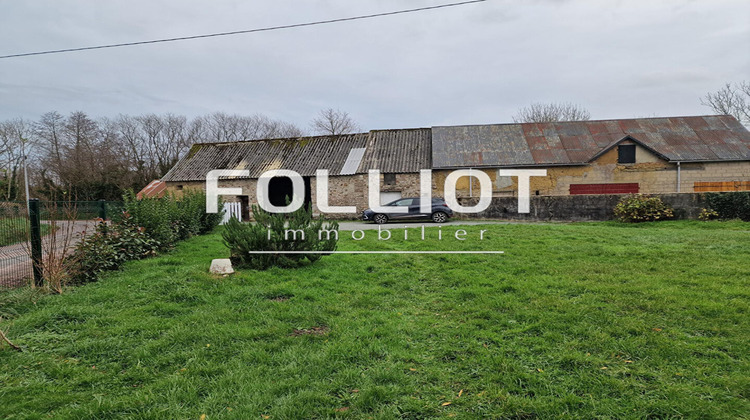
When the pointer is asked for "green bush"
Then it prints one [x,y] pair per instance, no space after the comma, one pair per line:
[642,208]
[156,216]
[147,226]
[169,219]
[110,247]
[730,205]
[241,238]
[207,221]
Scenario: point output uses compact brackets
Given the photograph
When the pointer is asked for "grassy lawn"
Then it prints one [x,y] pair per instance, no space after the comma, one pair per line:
[597,320]
[14,230]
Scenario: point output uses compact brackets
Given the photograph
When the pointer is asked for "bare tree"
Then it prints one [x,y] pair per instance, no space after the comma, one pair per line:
[732,99]
[551,112]
[90,159]
[221,127]
[15,144]
[333,122]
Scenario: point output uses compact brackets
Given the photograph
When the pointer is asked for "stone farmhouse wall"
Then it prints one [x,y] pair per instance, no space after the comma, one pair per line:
[652,174]
[349,190]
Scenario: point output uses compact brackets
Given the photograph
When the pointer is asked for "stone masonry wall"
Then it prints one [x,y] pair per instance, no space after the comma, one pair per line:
[652,174]
[578,207]
[349,190]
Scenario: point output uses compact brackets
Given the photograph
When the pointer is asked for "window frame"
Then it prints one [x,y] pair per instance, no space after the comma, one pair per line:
[621,154]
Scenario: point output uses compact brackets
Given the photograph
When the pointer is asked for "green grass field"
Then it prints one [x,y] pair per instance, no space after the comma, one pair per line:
[590,320]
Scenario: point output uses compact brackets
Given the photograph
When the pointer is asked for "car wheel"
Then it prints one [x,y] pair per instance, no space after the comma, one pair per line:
[439,217]
[380,219]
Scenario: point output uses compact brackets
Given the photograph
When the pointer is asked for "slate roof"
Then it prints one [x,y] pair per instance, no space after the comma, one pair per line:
[684,139]
[391,151]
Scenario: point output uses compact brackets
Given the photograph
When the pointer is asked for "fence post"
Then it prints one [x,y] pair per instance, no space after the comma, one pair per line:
[103,210]
[35,225]
[103,215]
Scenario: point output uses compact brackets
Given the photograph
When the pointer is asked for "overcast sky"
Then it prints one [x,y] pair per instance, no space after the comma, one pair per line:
[471,64]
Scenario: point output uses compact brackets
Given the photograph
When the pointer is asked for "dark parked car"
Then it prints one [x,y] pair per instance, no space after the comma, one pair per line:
[439,213]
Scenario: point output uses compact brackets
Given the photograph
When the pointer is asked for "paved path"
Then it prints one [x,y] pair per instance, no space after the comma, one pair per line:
[15,260]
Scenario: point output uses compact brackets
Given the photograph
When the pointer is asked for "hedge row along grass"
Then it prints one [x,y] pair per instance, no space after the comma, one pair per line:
[597,320]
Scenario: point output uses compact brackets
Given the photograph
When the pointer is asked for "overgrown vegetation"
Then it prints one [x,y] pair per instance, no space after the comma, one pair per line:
[170,219]
[109,247]
[591,320]
[730,205]
[642,208]
[147,226]
[295,232]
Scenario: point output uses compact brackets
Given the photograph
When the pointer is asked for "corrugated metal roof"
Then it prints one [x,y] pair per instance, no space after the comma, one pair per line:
[388,150]
[398,151]
[707,138]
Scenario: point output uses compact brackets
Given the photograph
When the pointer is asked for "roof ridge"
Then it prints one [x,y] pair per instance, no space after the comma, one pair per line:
[588,121]
[280,139]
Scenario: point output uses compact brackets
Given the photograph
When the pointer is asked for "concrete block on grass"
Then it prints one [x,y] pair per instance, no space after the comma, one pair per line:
[221,266]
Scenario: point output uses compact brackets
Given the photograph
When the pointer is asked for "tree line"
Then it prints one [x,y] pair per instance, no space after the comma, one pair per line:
[82,158]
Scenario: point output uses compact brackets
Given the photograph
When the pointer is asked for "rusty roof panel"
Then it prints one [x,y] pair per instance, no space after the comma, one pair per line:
[598,128]
[571,142]
[577,142]
[543,156]
[557,149]
[732,123]
[696,123]
[531,130]
[537,143]
[564,129]
[579,155]
[630,126]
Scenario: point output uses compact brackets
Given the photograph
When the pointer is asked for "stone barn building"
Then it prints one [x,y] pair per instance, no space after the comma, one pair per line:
[645,155]
[398,154]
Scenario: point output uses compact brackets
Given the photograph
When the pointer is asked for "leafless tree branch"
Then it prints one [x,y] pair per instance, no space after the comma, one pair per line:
[551,112]
[334,122]
[5,339]
[732,99]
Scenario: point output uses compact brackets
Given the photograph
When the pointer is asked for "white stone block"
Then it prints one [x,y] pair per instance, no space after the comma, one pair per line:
[221,266]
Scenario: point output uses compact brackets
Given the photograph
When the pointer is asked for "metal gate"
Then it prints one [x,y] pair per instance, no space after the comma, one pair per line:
[232,210]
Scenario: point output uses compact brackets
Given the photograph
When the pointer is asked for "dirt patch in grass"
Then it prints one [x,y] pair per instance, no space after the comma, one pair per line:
[319,330]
